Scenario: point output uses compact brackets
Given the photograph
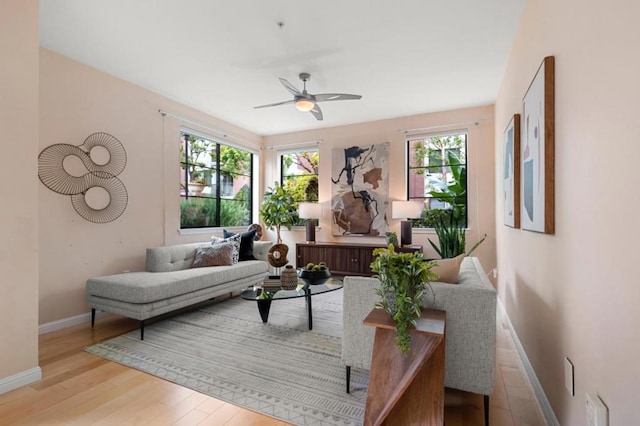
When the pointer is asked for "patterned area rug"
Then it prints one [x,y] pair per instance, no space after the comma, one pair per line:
[280,369]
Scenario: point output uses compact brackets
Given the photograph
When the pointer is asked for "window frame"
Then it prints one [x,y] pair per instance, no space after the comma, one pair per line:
[425,137]
[216,169]
[281,171]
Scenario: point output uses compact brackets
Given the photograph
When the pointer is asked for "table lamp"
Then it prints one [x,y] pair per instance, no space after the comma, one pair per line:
[405,210]
[310,211]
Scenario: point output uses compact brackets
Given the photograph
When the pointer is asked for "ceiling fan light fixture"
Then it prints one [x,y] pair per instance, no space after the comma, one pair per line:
[308,102]
[304,104]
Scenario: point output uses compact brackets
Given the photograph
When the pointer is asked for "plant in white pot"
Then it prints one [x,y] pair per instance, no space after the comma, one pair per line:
[403,278]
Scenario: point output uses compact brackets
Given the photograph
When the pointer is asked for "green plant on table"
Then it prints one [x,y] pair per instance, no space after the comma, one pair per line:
[403,277]
[265,295]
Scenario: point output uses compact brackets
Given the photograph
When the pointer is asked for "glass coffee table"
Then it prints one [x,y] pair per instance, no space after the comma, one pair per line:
[264,299]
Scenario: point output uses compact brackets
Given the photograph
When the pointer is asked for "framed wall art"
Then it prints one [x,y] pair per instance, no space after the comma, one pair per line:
[360,190]
[537,152]
[511,173]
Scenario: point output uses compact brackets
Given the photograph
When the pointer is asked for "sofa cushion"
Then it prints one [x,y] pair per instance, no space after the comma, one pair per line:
[448,269]
[213,255]
[246,244]
[145,287]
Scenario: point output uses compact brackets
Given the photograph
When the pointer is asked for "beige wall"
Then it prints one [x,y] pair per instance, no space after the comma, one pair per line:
[18,186]
[481,170]
[576,293]
[75,101]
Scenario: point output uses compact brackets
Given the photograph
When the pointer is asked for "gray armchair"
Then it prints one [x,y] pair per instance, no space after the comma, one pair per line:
[470,327]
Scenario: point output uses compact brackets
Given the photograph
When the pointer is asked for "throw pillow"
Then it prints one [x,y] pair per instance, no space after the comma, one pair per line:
[448,269]
[246,244]
[213,255]
[235,241]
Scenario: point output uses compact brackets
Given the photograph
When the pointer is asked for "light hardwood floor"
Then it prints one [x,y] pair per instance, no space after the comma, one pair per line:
[78,388]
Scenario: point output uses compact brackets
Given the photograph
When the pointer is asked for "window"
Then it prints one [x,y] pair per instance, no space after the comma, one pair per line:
[299,173]
[215,183]
[437,175]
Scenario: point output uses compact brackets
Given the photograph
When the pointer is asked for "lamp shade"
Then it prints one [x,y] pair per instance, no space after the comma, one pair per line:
[309,210]
[406,209]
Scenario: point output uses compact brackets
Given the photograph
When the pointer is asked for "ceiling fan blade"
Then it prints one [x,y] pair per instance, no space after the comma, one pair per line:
[276,104]
[290,87]
[325,97]
[317,112]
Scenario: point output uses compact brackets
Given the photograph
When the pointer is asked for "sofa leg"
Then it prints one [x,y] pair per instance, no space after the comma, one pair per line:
[348,378]
[486,410]
[93,317]
[142,330]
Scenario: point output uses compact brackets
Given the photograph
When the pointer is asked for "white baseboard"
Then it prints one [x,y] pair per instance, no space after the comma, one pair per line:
[68,322]
[21,379]
[547,411]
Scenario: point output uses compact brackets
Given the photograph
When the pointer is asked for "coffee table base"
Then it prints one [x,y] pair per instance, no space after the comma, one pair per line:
[264,306]
[303,290]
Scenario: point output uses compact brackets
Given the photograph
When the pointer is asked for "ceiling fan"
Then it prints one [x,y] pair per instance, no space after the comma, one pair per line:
[307,102]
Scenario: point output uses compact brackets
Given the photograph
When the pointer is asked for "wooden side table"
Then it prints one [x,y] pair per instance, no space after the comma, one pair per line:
[406,390]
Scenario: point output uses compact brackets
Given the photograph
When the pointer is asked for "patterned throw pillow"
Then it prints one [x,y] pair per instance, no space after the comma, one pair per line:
[235,241]
[213,255]
[246,244]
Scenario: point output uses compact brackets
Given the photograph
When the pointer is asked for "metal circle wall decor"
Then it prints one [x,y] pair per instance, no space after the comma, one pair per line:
[100,173]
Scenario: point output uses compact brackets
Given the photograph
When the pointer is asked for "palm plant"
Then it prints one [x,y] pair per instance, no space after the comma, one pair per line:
[451,227]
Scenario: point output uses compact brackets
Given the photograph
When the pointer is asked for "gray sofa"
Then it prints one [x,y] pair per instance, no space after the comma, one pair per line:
[169,283]
[470,341]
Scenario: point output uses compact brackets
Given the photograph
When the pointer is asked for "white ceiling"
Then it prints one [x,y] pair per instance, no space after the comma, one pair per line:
[404,57]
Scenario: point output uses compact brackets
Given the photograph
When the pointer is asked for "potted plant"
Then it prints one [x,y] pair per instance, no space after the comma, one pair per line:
[278,209]
[450,224]
[451,237]
[196,183]
[403,278]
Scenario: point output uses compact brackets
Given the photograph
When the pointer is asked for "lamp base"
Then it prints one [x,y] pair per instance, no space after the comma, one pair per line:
[311,231]
[405,233]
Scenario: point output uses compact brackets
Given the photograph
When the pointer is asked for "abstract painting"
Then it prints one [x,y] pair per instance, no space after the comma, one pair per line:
[537,152]
[511,173]
[360,190]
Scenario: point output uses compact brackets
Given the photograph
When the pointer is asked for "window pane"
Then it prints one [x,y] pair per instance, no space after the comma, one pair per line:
[196,212]
[215,184]
[299,174]
[433,164]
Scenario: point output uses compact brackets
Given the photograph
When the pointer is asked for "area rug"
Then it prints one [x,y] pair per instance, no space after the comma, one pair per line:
[280,369]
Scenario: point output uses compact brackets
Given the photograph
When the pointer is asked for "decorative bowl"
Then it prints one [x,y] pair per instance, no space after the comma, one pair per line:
[314,277]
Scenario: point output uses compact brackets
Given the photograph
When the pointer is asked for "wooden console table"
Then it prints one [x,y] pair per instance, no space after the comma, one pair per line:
[406,390]
[342,258]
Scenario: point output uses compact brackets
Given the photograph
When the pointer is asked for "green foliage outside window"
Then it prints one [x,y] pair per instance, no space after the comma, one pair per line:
[196,212]
[199,165]
[299,176]
[441,162]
